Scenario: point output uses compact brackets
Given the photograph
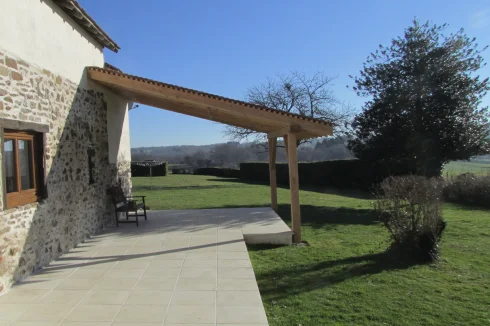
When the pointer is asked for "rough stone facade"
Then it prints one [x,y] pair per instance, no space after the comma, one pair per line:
[31,236]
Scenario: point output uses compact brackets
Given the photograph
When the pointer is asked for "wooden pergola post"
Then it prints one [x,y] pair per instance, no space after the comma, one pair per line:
[272,171]
[292,152]
[285,137]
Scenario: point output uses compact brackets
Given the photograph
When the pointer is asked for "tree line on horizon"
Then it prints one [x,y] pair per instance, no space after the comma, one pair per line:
[231,154]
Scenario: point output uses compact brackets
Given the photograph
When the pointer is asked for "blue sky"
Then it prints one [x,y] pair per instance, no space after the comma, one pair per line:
[224,47]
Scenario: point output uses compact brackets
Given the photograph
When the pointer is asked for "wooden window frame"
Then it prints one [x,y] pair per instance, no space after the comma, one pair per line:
[22,197]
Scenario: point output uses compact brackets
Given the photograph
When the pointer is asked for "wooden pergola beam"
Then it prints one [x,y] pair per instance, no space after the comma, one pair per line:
[205,113]
[231,111]
[292,129]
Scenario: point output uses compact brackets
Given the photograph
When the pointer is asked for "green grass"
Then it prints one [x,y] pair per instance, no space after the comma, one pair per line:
[459,167]
[345,277]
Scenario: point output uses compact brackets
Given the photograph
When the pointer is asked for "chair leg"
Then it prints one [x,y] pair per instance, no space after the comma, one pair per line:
[137,224]
[127,215]
[144,208]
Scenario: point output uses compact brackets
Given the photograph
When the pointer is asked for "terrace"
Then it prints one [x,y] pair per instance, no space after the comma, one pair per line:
[178,267]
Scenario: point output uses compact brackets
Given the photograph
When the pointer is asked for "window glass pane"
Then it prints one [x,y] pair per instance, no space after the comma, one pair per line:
[25,160]
[10,168]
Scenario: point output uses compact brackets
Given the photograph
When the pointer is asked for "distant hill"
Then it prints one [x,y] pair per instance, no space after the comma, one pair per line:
[481,159]
[158,152]
[231,154]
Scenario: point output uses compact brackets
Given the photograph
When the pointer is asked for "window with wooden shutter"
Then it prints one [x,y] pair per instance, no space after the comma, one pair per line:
[20,163]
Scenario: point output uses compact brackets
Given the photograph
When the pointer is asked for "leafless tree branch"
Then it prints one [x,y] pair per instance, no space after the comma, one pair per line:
[298,93]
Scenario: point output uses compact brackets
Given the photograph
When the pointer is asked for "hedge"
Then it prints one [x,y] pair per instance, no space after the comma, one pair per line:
[183,170]
[468,189]
[218,172]
[339,173]
[149,168]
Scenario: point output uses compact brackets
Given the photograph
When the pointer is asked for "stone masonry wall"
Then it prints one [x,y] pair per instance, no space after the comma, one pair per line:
[31,236]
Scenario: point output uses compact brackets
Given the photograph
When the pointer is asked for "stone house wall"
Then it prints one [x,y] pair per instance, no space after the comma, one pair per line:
[31,236]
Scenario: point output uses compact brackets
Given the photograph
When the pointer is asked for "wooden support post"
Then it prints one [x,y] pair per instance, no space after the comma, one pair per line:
[285,137]
[272,171]
[294,186]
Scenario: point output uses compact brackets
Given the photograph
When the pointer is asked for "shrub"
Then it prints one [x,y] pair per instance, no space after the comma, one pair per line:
[468,189]
[149,168]
[160,170]
[411,209]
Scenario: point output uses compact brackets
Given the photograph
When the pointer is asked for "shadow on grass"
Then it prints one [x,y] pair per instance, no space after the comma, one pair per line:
[293,279]
[464,206]
[158,187]
[352,193]
[322,216]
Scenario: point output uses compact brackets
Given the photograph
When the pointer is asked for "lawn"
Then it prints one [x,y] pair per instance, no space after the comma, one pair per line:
[344,275]
[458,167]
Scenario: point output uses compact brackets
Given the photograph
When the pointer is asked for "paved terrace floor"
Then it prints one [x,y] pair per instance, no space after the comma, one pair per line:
[177,268]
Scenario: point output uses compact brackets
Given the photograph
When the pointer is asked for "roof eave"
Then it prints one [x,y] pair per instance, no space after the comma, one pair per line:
[82,18]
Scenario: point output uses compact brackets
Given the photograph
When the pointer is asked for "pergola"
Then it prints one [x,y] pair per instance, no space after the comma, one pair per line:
[274,123]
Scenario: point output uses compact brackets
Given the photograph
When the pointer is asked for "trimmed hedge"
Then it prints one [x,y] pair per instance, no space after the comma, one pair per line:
[147,169]
[184,170]
[339,173]
[218,172]
[468,189]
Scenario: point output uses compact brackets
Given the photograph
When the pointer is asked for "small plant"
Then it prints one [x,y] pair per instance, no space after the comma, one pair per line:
[411,209]
[468,189]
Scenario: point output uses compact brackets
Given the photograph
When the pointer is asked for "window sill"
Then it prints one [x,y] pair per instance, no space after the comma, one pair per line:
[23,207]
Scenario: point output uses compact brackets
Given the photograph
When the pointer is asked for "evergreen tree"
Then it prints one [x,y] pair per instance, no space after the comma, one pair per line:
[425,100]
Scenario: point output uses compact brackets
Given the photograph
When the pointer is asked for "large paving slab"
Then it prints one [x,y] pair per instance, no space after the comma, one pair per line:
[179,267]
[259,225]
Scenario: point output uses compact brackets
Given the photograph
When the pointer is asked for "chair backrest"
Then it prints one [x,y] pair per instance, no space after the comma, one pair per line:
[117,195]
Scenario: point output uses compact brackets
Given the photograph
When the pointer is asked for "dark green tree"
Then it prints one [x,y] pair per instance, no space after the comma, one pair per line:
[425,101]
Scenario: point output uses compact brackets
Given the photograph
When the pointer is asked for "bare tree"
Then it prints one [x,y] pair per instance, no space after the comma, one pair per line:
[229,154]
[299,94]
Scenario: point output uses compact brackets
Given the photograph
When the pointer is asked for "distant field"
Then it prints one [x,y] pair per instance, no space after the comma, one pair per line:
[455,168]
